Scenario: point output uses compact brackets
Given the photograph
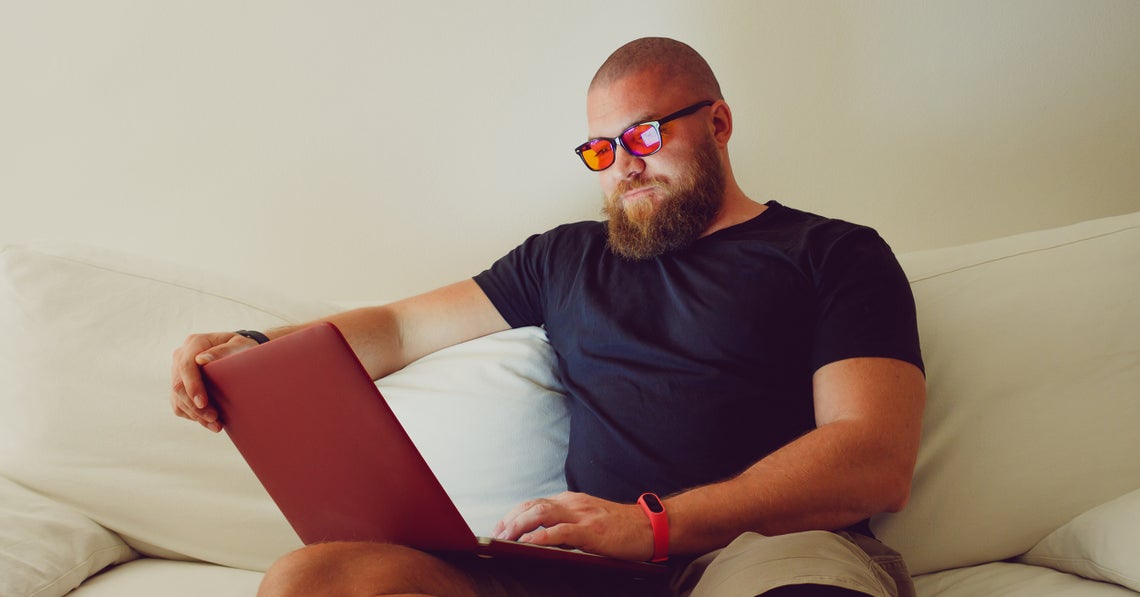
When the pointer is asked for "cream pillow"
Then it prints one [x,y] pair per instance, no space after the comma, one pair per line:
[48,549]
[1101,544]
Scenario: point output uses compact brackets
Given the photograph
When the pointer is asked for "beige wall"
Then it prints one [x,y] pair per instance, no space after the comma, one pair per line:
[332,149]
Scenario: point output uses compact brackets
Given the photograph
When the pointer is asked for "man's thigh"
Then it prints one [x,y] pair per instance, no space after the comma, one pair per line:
[754,563]
[355,568]
[750,565]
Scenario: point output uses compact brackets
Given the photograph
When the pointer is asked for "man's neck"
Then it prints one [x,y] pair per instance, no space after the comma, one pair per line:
[737,209]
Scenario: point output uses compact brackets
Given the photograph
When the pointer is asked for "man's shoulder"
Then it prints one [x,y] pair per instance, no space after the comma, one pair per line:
[822,246]
[798,232]
[798,219]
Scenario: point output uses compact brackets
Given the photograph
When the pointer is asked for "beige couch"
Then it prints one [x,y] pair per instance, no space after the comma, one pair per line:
[1028,482]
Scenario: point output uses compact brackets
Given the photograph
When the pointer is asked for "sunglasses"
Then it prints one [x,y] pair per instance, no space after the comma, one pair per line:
[640,140]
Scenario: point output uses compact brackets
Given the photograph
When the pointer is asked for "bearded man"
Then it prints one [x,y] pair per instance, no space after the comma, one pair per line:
[755,366]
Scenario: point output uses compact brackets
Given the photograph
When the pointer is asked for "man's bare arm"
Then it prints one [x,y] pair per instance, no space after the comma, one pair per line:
[389,337]
[858,462]
[385,339]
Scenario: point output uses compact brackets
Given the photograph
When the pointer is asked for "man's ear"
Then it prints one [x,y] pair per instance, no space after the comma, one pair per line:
[721,122]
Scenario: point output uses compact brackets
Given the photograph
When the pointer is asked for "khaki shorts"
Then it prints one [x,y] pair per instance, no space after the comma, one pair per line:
[749,566]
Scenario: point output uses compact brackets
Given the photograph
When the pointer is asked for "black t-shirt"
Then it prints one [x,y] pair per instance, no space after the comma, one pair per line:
[688,368]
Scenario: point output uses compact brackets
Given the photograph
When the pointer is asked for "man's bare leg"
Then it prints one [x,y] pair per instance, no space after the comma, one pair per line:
[347,569]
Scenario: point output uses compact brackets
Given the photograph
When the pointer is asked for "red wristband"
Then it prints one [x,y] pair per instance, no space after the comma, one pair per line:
[655,510]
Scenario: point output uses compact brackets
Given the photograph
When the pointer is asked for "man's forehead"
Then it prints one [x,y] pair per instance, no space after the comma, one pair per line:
[613,106]
[611,120]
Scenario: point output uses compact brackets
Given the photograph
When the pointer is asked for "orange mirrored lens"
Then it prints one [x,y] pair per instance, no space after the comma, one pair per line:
[597,154]
[642,140]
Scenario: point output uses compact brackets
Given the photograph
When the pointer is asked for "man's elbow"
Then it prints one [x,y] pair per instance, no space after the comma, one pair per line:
[899,501]
[896,489]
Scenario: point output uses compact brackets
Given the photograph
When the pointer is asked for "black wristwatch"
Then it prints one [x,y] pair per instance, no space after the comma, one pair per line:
[252,335]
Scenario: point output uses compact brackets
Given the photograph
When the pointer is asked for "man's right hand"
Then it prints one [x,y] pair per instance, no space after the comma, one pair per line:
[188,396]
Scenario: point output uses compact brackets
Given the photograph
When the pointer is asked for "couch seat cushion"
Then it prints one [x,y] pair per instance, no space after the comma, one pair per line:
[149,577]
[1012,580]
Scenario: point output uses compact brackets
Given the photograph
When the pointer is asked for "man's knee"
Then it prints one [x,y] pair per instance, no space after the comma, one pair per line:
[763,564]
[360,568]
[299,572]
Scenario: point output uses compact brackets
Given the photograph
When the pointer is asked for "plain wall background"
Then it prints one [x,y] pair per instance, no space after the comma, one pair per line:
[371,150]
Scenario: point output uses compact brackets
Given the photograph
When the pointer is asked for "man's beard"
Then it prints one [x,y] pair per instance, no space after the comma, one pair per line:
[640,230]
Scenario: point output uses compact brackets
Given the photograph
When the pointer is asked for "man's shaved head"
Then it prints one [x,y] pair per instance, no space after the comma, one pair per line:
[674,61]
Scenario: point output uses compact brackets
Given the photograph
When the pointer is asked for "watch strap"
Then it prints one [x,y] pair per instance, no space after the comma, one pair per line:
[654,508]
[253,335]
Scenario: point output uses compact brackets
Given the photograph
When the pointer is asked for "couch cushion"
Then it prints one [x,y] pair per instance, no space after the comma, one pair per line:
[46,548]
[1101,544]
[85,344]
[1005,579]
[86,338]
[491,419]
[1032,347]
[150,577]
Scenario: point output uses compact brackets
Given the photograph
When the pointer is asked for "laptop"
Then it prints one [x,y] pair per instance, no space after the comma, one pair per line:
[314,428]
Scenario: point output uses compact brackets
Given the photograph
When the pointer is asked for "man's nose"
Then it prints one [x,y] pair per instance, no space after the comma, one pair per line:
[626,164]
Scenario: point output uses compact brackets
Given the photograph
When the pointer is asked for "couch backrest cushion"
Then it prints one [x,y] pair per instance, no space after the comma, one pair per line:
[86,338]
[1032,348]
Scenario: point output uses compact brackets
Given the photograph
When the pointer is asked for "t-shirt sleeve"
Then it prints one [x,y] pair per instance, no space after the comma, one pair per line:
[514,282]
[865,308]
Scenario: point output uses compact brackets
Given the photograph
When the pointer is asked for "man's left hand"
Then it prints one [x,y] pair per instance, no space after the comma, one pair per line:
[583,522]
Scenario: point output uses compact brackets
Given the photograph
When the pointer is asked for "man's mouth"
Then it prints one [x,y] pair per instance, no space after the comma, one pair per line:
[638,193]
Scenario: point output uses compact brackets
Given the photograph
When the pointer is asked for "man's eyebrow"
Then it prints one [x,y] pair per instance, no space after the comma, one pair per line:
[645,117]
[642,117]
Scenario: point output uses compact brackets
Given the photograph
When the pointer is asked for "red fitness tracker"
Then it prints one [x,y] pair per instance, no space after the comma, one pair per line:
[655,510]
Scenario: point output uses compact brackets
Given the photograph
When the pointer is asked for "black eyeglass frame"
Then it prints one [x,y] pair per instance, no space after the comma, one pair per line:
[656,124]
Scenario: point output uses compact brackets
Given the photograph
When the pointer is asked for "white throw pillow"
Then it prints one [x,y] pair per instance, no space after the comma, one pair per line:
[48,549]
[490,418]
[86,338]
[1032,347]
[1101,544]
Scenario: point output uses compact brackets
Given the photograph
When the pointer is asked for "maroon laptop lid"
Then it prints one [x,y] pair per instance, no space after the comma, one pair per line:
[316,431]
[312,425]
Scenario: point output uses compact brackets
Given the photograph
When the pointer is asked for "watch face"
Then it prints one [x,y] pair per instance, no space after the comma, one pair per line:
[653,503]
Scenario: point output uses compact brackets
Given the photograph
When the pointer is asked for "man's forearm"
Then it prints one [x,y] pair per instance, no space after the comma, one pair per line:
[857,463]
[372,332]
[828,479]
